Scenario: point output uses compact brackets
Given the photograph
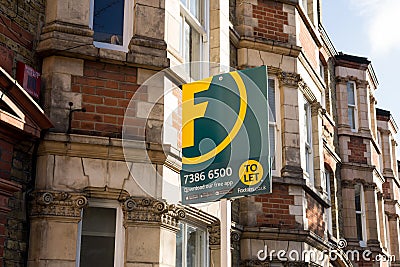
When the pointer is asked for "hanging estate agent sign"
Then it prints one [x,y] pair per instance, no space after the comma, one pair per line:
[225,140]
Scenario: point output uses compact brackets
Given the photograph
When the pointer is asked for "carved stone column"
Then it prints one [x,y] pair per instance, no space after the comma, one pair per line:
[349,214]
[394,235]
[150,231]
[291,163]
[54,228]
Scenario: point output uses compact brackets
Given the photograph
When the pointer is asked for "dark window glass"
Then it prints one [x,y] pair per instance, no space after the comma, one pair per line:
[179,247]
[359,227]
[108,21]
[98,237]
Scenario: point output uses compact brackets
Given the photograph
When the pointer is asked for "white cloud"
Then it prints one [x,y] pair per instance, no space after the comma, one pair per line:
[383,20]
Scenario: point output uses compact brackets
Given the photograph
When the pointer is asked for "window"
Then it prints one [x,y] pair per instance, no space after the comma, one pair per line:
[191,246]
[360,214]
[308,139]
[322,70]
[387,233]
[305,6]
[351,103]
[101,237]
[272,121]
[111,21]
[379,135]
[193,35]
[328,194]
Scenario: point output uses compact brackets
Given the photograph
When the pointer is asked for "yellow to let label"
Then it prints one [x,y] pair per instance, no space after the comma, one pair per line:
[251,172]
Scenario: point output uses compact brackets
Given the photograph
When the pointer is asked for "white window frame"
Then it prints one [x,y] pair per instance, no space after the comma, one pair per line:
[202,27]
[119,245]
[275,124]
[127,31]
[308,142]
[304,4]
[363,241]
[353,106]
[205,258]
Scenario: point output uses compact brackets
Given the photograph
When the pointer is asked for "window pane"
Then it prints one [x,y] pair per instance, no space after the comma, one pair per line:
[359,226]
[108,21]
[195,54]
[99,221]
[98,237]
[195,247]
[271,100]
[195,8]
[352,118]
[97,251]
[307,156]
[272,145]
[357,199]
[350,94]
[179,246]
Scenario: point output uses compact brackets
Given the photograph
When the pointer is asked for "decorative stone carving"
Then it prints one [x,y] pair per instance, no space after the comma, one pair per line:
[392,216]
[289,78]
[52,203]
[347,184]
[214,233]
[235,235]
[369,186]
[138,210]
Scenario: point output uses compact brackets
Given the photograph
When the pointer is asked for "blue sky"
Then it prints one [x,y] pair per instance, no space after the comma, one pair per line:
[368,28]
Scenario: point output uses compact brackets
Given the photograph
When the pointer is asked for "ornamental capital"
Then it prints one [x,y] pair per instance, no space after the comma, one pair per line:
[149,210]
[289,78]
[57,204]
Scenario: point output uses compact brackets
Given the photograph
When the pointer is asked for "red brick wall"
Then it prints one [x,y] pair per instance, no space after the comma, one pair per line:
[271,19]
[315,216]
[309,47]
[6,153]
[357,149]
[275,208]
[106,91]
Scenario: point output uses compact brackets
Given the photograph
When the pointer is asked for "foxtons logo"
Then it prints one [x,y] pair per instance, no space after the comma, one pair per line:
[194,111]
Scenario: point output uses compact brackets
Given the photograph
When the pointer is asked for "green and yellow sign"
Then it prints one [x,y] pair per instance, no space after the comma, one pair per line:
[225,142]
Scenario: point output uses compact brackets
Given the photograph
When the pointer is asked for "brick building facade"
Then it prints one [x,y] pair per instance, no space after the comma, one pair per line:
[335,173]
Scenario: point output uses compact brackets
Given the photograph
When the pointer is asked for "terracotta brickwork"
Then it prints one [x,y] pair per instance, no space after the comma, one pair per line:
[275,208]
[106,91]
[357,148]
[19,27]
[308,45]
[315,216]
[271,20]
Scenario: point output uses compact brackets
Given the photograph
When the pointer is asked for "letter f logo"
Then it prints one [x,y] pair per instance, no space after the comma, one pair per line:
[192,111]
